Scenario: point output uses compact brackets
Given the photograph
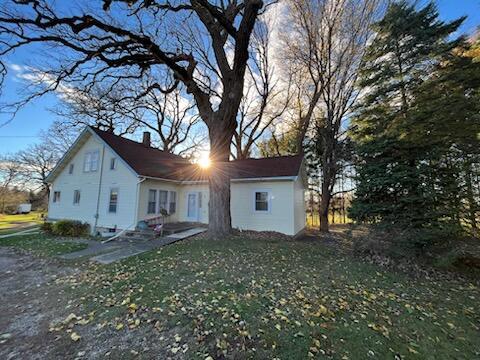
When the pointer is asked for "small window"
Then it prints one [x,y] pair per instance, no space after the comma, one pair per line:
[113,163]
[91,161]
[261,201]
[173,202]
[56,196]
[162,200]
[70,169]
[112,205]
[76,197]
[152,201]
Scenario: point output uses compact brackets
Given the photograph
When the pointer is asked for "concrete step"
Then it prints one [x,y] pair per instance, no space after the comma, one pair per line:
[136,237]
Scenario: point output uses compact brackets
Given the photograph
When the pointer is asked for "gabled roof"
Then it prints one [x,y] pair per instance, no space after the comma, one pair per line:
[151,162]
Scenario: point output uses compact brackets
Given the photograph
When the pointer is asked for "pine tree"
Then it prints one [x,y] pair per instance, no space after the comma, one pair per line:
[397,165]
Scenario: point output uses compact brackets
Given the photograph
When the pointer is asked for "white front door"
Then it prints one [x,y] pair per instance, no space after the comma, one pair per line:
[192,206]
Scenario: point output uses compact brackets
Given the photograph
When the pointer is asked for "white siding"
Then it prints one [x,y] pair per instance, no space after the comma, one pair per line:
[299,205]
[286,214]
[88,184]
[203,210]
[278,218]
[150,184]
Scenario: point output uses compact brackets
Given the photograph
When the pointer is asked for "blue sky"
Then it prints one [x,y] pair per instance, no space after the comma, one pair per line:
[24,128]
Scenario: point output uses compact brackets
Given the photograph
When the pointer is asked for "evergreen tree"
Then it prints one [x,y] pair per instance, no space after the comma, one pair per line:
[447,114]
[397,163]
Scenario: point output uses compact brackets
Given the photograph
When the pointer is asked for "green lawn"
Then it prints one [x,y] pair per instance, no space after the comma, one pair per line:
[245,298]
[8,223]
[41,245]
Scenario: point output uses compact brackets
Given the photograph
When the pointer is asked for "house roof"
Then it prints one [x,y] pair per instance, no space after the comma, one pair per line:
[151,162]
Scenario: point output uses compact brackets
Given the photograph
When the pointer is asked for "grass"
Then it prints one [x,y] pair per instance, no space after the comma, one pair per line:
[314,220]
[8,223]
[41,245]
[266,298]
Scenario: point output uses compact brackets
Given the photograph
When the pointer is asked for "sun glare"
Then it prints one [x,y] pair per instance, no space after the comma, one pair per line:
[204,162]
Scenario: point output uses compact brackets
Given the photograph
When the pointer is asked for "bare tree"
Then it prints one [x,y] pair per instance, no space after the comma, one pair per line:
[34,164]
[172,117]
[9,182]
[202,44]
[326,45]
[169,115]
[99,106]
[3,74]
[59,137]
[266,95]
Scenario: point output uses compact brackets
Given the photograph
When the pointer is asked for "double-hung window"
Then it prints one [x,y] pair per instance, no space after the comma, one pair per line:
[113,201]
[262,201]
[56,196]
[152,202]
[162,200]
[173,202]
[76,197]
[91,161]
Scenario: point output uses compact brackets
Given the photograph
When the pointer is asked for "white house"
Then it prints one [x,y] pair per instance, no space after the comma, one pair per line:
[112,183]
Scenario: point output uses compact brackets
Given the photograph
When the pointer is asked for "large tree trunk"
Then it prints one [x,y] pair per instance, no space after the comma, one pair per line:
[323,211]
[219,219]
[328,170]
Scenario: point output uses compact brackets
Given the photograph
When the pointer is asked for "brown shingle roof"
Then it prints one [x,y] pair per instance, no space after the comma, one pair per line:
[148,161]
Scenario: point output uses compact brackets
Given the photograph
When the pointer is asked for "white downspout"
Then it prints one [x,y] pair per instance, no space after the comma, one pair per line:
[99,192]
[137,196]
[137,205]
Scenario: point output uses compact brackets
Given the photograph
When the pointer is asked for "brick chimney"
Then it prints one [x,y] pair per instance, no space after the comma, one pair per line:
[146,139]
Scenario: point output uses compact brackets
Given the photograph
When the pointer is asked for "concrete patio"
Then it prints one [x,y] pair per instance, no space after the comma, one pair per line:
[106,253]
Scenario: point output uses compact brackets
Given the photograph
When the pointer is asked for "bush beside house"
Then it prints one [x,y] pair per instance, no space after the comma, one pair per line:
[66,228]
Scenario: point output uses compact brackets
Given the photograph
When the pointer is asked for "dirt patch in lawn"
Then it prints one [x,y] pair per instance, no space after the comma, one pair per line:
[33,301]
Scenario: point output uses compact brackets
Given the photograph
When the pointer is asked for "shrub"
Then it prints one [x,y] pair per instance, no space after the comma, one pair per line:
[47,227]
[71,228]
[10,210]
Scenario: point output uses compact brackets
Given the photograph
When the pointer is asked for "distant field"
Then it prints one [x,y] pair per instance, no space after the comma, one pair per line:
[314,220]
[10,222]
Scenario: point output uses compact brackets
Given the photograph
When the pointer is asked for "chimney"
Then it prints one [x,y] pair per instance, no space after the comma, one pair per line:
[146,139]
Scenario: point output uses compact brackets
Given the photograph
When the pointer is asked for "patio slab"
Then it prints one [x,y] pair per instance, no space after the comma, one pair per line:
[107,253]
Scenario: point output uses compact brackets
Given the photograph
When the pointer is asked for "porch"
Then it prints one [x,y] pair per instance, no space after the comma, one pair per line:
[142,233]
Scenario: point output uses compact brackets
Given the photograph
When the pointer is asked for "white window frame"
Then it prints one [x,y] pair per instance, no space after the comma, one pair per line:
[110,199]
[91,157]
[56,200]
[269,201]
[170,202]
[167,202]
[71,168]
[155,200]
[75,192]
[113,163]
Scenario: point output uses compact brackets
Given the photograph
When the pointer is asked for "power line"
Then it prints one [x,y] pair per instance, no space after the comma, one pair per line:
[18,136]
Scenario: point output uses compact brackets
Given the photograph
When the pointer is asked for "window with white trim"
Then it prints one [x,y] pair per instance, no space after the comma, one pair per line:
[91,161]
[113,163]
[262,201]
[113,201]
[162,200]
[173,202]
[56,196]
[70,169]
[152,201]
[76,197]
